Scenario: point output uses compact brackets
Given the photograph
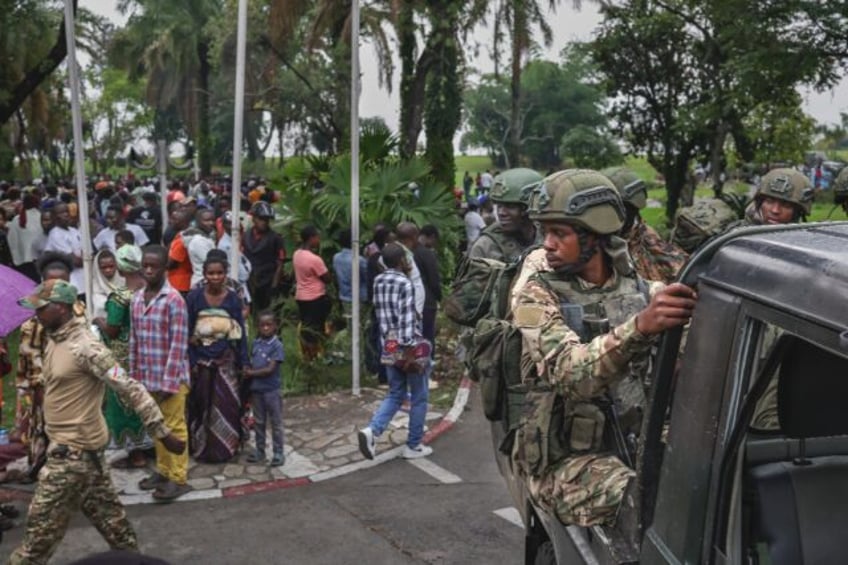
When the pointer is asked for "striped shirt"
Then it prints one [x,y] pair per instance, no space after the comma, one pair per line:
[159,340]
[394,303]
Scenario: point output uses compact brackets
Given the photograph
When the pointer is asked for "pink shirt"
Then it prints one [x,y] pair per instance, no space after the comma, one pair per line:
[308,270]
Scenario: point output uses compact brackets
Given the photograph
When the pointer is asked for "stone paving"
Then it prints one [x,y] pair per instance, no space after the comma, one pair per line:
[320,435]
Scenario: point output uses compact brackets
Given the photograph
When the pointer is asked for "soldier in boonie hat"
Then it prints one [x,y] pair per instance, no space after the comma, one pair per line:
[52,291]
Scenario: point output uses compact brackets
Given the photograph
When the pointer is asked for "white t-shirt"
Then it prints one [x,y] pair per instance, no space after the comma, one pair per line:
[106,237]
[486,180]
[67,240]
[198,246]
[474,224]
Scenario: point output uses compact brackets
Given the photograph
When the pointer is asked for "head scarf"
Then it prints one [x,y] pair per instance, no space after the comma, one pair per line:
[128,258]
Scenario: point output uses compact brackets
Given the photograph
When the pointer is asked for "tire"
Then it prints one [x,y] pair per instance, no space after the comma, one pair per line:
[545,555]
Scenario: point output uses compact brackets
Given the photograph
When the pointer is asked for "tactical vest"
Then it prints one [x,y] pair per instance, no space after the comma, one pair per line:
[552,427]
[509,247]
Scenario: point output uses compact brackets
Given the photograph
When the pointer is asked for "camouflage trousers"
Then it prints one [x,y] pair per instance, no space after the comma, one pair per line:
[584,490]
[64,486]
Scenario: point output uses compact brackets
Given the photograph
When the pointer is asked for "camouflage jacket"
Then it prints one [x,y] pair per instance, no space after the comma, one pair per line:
[655,259]
[571,367]
[76,369]
[494,243]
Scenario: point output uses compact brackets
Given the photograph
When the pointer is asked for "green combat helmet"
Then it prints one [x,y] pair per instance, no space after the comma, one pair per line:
[507,185]
[632,189]
[788,185]
[581,197]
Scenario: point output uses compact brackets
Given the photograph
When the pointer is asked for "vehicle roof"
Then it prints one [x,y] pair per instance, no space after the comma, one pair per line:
[801,268]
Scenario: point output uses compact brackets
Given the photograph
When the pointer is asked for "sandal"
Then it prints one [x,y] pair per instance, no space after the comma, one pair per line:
[137,460]
[152,482]
[170,491]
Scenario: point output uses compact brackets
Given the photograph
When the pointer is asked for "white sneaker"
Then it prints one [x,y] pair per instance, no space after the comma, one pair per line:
[367,442]
[416,453]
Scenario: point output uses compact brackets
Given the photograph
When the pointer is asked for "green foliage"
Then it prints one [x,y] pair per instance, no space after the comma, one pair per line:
[586,148]
[685,74]
[779,132]
[556,98]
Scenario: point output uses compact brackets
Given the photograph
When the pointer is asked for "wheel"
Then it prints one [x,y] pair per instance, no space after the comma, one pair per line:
[545,554]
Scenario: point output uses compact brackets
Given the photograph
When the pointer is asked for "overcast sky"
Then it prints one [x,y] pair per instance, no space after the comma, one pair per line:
[568,25]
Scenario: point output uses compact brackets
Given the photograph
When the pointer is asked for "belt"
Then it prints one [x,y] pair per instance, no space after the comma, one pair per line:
[68,453]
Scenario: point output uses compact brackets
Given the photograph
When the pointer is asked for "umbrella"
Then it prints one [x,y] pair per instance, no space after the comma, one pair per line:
[13,286]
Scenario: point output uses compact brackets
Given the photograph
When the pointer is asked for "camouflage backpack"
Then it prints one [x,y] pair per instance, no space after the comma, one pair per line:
[477,281]
[695,224]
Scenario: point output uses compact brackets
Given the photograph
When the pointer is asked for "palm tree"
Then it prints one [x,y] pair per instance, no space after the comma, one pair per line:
[169,45]
[520,18]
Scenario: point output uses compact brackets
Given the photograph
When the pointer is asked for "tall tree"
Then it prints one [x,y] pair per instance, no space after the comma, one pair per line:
[521,18]
[168,44]
[684,73]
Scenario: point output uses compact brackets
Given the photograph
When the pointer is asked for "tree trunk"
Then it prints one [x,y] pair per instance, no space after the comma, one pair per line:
[444,93]
[410,111]
[519,25]
[717,161]
[36,75]
[675,165]
[204,139]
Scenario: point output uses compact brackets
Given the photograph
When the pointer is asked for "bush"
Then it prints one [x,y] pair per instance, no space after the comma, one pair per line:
[586,148]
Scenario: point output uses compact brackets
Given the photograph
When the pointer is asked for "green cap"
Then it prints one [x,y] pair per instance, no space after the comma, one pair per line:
[632,189]
[54,290]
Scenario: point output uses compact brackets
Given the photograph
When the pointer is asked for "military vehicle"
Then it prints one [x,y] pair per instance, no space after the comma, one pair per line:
[772,304]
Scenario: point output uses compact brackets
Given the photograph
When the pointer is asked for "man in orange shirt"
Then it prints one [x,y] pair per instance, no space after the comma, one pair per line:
[179,264]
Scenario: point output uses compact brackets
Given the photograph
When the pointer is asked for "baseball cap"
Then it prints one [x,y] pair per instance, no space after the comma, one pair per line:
[54,290]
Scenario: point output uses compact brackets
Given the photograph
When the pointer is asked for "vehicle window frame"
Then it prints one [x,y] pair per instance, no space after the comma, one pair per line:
[754,318]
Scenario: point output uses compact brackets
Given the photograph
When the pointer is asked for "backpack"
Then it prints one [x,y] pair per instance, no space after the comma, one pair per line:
[478,280]
[695,224]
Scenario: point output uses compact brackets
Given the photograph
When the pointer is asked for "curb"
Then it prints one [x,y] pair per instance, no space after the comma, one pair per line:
[445,424]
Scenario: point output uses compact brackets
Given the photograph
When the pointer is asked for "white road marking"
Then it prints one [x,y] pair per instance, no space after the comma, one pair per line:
[511,515]
[438,473]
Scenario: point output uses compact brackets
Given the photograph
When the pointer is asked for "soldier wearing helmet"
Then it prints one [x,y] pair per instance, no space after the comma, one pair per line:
[784,196]
[513,233]
[588,322]
[654,258]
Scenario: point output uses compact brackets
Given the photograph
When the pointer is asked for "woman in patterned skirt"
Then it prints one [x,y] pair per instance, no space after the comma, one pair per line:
[217,353]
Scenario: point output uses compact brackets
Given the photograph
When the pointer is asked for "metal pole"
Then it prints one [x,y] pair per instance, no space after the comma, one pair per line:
[354,189]
[237,137]
[162,161]
[79,158]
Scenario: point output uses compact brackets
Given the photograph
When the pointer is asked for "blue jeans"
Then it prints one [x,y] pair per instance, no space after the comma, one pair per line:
[398,383]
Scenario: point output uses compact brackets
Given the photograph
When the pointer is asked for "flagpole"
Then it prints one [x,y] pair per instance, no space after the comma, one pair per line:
[79,158]
[238,126]
[354,191]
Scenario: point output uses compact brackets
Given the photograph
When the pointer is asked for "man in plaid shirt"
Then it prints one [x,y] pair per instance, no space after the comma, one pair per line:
[394,303]
[158,358]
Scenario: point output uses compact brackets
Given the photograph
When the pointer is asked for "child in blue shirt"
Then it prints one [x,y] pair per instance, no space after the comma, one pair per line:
[264,375]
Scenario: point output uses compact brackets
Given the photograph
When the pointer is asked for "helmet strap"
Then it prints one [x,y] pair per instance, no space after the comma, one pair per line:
[588,247]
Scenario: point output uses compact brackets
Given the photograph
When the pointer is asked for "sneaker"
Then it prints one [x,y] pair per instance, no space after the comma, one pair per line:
[278,460]
[367,443]
[256,457]
[417,452]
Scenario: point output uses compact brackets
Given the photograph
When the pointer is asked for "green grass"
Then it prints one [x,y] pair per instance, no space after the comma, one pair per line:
[473,164]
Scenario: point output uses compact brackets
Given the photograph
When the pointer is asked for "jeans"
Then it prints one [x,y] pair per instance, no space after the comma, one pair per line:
[398,384]
[268,406]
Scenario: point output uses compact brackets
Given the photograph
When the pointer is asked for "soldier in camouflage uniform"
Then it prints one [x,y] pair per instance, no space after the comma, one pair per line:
[655,259]
[784,196]
[76,369]
[513,233]
[587,320]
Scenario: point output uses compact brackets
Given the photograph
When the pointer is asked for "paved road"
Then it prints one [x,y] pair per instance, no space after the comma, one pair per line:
[441,511]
